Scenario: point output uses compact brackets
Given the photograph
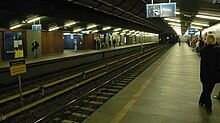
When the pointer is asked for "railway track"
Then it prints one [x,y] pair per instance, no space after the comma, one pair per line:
[72,82]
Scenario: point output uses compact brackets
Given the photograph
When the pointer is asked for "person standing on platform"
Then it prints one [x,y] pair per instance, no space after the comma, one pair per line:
[98,44]
[75,44]
[81,45]
[110,43]
[34,48]
[114,42]
[209,74]
[179,41]
[201,44]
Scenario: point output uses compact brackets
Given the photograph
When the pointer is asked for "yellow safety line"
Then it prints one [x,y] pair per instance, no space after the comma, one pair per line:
[49,97]
[113,62]
[125,58]
[37,88]
[18,95]
[96,68]
[62,80]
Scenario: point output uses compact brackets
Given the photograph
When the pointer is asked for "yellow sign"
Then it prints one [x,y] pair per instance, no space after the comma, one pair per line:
[19,54]
[17,67]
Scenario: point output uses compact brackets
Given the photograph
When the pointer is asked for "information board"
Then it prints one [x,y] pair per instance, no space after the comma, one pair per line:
[161,10]
[191,31]
[17,67]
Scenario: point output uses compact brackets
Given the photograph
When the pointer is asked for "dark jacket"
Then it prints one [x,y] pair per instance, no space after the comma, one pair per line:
[209,72]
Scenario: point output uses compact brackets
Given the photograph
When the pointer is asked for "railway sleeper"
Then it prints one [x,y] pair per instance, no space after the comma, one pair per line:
[119,84]
[87,109]
[124,81]
[105,93]
[112,90]
[127,79]
[99,97]
[68,121]
[93,102]
[79,115]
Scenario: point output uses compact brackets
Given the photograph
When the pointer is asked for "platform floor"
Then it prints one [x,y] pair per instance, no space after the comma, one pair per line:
[166,92]
[66,53]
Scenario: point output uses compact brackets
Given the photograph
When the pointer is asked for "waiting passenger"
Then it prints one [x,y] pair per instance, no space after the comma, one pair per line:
[98,44]
[201,45]
[209,74]
[110,43]
[114,42]
[34,48]
[75,44]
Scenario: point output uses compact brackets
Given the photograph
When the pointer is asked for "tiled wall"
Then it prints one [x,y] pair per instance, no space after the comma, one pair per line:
[31,36]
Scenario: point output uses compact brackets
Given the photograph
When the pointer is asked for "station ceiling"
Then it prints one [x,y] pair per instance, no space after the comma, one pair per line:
[129,14]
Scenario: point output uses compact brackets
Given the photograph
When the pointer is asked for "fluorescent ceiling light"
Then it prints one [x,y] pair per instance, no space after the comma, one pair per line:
[115,33]
[186,15]
[170,19]
[177,13]
[16,26]
[92,26]
[131,31]
[77,30]
[209,14]
[106,28]
[125,30]
[196,27]
[94,31]
[199,24]
[118,29]
[66,33]
[174,24]
[69,24]
[33,20]
[176,27]
[208,17]
[55,28]
[122,33]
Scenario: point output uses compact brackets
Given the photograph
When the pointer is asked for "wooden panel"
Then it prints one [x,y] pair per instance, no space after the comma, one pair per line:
[24,39]
[89,41]
[129,40]
[52,42]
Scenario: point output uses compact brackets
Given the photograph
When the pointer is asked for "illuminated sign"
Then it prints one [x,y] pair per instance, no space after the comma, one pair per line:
[161,10]
[36,27]
[191,31]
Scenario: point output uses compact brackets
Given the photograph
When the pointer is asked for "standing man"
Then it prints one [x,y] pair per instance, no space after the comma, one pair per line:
[75,44]
[34,48]
[114,42]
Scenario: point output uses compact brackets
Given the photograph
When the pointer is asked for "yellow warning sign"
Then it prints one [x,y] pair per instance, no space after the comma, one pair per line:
[17,67]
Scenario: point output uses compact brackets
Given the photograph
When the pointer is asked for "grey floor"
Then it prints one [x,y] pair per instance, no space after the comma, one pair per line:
[166,92]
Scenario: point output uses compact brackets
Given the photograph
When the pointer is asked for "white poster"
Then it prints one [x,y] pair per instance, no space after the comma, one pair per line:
[19,42]
[16,43]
